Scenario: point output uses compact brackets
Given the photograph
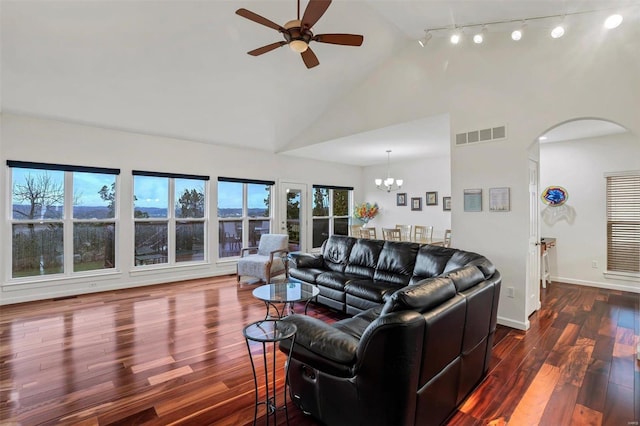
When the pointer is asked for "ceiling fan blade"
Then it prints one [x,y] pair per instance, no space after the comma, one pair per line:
[310,59]
[314,11]
[259,19]
[343,39]
[267,48]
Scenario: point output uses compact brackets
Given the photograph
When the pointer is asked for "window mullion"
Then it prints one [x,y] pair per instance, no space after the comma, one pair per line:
[67,224]
[171,225]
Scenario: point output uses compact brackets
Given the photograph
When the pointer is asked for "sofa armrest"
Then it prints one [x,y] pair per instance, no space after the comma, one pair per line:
[323,339]
[305,260]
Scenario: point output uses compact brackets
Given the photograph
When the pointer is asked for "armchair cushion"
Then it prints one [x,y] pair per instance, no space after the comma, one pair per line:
[268,261]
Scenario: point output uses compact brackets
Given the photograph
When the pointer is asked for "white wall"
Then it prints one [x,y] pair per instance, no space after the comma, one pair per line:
[579,167]
[38,140]
[529,86]
[420,176]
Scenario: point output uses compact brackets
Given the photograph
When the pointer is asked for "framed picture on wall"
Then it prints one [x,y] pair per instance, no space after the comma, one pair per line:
[473,200]
[401,199]
[446,204]
[416,203]
[432,199]
[499,200]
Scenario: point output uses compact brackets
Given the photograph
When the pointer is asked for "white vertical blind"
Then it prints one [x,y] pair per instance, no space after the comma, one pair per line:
[623,222]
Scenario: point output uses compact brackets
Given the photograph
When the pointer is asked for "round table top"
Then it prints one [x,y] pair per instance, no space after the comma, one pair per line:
[269,330]
[291,291]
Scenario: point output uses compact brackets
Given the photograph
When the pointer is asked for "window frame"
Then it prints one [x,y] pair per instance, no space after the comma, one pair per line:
[171,220]
[622,197]
[331,217]
[244,218]
[67,220]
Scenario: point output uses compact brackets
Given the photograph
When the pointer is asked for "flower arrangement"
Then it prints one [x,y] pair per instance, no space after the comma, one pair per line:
[366,211]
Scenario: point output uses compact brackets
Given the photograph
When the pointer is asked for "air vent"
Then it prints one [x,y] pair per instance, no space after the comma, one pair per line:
[482,135]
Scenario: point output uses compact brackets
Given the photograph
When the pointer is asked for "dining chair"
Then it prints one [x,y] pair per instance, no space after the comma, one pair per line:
[391,234]
[405,232]
[447,238]
[354,230]
[368,233]
[422,234]
[266,260]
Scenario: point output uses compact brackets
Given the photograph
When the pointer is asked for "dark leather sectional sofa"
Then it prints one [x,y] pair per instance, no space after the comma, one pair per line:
[419,342]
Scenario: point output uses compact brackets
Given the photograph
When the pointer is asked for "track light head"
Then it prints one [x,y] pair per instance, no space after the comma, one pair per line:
[557,32]
[613,21]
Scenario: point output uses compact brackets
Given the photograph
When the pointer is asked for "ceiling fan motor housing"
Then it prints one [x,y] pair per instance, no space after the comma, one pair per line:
[297,37]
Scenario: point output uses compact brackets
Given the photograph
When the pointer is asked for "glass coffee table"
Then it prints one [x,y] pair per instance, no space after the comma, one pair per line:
[285,294]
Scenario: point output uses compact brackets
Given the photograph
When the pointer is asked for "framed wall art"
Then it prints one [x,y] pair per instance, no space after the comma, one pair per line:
[473,200]
[446,204]
[499,200]
[431,199]
[401,199]
[416,203]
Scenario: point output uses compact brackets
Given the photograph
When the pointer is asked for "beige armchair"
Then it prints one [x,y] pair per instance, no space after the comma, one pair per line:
[265,261]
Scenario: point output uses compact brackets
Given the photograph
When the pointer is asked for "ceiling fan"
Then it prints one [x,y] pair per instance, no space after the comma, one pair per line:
[297,33]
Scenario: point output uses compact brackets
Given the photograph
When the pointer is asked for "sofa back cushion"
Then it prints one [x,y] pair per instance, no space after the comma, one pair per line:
[364,257]
[421,297]
[335,252]
[430,262]
[396,262]
[466,277]
[463,258]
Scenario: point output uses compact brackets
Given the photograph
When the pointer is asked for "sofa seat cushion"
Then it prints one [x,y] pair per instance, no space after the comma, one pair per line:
[370,289]
[324,339]
[354,326]
[308,275]
[335,280]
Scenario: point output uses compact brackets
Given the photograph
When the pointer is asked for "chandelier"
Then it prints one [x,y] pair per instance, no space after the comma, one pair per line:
[387,184]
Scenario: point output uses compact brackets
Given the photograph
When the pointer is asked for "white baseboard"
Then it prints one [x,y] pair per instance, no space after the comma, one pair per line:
[519,325]
[609,286]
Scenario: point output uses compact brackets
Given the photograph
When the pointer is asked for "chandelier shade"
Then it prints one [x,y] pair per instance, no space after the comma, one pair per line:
[388,183]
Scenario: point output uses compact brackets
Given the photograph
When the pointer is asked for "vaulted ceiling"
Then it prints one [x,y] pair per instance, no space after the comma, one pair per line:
[180,68]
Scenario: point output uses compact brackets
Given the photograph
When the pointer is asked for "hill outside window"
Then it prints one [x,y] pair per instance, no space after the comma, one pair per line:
[63,219]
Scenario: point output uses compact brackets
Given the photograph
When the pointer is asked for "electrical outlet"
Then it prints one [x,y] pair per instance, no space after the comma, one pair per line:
[594,264]
[511,292]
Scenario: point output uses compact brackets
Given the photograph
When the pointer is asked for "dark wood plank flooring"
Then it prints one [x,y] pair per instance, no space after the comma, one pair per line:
[174,354]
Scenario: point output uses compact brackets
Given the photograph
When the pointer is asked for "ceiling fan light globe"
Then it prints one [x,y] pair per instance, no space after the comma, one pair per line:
[298,46]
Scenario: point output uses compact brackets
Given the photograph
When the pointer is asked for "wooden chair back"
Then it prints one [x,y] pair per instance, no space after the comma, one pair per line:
[391,234]
[405,232]
[369,233]
[422,234]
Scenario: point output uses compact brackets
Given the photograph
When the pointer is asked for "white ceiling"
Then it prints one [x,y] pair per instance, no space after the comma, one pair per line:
[179,68]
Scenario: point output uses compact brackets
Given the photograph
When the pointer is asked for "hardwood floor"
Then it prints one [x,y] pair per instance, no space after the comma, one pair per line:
[175,354]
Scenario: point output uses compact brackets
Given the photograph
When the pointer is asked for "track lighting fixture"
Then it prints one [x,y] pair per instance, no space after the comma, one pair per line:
[455,34]
[424,40]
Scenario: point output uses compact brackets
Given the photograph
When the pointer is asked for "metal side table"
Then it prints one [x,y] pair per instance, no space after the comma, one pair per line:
[265,332]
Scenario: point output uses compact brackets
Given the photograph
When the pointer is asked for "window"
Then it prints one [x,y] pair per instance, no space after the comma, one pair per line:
[170,219]
[63,219]
[330,212]
[623,222]
[244,213]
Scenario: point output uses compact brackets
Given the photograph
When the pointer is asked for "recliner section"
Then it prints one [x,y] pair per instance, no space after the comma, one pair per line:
[415,354]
